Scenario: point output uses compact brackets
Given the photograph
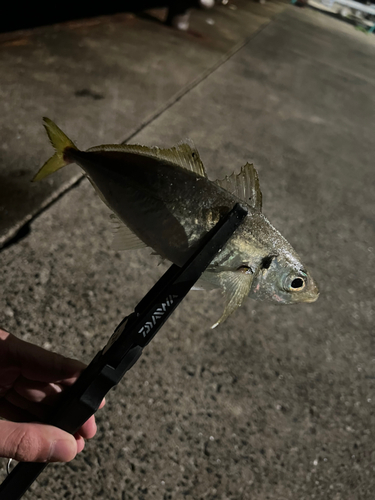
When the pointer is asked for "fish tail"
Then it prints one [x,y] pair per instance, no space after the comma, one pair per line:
[62,144]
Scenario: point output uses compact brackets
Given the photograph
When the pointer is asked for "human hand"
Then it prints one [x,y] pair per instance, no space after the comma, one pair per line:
[31,379]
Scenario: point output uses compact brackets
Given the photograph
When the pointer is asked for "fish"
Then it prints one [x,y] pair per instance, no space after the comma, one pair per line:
[163,199]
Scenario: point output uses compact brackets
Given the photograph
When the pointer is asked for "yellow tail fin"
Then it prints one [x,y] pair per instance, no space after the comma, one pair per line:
[60,142]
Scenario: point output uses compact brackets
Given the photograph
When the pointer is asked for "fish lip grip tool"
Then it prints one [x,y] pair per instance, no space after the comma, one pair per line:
[125,346]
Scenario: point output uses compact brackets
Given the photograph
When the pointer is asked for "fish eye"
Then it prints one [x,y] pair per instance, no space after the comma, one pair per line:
[297,283]
[245,269]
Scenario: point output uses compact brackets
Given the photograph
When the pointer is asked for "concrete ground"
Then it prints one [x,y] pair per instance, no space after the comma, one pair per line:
[92,67]
[277,403]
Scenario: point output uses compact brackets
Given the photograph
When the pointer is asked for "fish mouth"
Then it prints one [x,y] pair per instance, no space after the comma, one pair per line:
[313,295]
[313,292]
[312,298]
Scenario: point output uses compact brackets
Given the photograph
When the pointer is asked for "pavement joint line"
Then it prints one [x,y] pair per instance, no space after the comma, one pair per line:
[16,233]
[203,76]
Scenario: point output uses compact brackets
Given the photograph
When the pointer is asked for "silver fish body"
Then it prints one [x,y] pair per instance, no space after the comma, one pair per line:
[166,202]
[169,208]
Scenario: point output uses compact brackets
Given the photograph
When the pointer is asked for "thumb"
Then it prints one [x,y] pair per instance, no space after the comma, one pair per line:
[36,442]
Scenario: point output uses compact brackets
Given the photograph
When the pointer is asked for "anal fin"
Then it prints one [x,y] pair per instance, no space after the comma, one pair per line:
[124,238]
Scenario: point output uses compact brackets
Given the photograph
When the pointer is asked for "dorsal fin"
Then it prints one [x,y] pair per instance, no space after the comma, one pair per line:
[245,186]
[188,157]
[124,238]
[184,154]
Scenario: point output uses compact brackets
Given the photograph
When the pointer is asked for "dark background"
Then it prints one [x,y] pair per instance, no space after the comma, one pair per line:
[15,18]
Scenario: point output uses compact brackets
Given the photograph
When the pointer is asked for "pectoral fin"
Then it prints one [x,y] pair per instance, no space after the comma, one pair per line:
[236,286]
[202,284]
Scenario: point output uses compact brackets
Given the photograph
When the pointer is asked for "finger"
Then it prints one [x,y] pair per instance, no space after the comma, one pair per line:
[11,412]
[36,363]
[36,443]
[88,429]
[35,391]
[38,410]
[80,442]
[46,393]
[14,413]
[18,409]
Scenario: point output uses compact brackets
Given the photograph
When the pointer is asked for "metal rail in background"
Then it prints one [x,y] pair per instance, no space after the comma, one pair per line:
[368,9]
[350,9]
[125,347]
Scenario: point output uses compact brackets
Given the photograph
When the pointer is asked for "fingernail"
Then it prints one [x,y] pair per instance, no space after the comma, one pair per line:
[62,450]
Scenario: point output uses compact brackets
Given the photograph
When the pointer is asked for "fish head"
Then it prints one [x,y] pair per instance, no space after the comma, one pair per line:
[284,279]
[278,273]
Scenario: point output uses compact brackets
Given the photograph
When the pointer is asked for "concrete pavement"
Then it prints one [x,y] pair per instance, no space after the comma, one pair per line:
[114,73]
[278,403]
